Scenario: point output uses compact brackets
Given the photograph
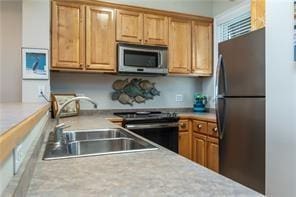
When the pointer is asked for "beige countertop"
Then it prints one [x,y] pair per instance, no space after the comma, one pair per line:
[12,114]
[206,116]
[150,173]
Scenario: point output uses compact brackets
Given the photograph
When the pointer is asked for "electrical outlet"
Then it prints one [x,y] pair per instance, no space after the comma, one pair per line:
[41,89]
[17,158]
[179,98]
[80,94]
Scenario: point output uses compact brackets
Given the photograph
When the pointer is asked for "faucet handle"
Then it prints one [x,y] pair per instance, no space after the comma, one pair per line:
[62,126]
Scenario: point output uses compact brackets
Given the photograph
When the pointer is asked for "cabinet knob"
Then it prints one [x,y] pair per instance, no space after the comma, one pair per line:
[80,65]
[215,129]
[199,126]
[140,40]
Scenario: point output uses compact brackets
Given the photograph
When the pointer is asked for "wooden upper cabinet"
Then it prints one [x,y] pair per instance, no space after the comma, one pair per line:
[156,29]
[129,27]
[100,39]
[179,45]
[257,14]
[202,48]
[68,39]
[199,148]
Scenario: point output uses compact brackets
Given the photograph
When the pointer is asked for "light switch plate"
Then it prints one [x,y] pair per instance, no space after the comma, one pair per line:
[179,98]
[17,158]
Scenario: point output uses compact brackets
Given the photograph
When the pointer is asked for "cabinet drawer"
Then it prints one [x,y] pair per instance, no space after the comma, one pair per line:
[183,125]
[213,129]
[199,126]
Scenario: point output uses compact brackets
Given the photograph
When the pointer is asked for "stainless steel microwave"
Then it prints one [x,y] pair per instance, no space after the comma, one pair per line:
[142,59]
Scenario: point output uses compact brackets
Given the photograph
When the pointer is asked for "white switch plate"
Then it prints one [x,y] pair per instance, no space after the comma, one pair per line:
[41,89]
[17,158]
[80,94]
[179,98]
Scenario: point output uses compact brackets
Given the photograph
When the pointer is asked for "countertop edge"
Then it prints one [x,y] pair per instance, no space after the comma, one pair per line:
[197,116]
[15,134]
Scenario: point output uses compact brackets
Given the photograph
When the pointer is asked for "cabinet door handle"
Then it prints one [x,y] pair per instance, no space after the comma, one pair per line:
[215,129]
[199,126]
[80,65]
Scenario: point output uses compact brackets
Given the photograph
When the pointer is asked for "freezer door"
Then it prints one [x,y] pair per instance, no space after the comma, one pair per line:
[242,147]
[243,61]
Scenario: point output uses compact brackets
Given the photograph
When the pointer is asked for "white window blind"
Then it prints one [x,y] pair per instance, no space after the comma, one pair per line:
[237,26]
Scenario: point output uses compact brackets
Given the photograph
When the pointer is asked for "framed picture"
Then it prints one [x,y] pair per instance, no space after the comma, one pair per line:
[72,109]
[35,63]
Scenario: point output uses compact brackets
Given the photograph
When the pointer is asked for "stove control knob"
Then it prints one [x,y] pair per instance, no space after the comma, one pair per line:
[174,115]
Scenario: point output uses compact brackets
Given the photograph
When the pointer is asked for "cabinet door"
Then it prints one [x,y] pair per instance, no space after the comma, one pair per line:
[129,26]
[199,148]
[156,29]
[202,48]
[100,39]
[184,144]
[179,45]
[213,154]
[257,14]
[68,35]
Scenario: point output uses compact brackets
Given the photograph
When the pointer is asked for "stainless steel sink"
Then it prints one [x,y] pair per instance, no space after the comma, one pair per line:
[103,146]
[93,134]
[96,142]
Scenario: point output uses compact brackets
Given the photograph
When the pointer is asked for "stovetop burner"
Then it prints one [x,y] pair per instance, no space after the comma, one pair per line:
[147,115]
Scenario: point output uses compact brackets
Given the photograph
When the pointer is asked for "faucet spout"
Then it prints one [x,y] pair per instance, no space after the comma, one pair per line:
[71,100]
[58,130]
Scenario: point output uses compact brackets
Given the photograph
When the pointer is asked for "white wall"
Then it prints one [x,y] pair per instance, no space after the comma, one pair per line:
[99,87]
[197,7]
[36,34]
[220,6]
[10,50]
[280,100]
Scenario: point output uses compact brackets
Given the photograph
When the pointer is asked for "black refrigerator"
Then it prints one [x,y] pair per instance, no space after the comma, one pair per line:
[240,109]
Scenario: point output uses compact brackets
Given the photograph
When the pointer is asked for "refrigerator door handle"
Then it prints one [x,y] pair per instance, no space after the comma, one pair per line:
[220,114]
[218,96]
[218,75]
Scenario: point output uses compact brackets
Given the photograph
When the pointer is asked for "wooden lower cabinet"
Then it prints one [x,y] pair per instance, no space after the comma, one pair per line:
[199,148]
[184,144]
[198,141]
[213,154]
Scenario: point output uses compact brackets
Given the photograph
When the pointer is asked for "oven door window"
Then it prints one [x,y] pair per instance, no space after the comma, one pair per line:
[141,58]
[166,137]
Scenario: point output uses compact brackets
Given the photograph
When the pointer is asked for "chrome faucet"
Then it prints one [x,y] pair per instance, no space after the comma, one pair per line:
[59,128]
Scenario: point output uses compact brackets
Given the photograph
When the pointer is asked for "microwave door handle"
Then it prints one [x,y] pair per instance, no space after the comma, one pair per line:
[159,59]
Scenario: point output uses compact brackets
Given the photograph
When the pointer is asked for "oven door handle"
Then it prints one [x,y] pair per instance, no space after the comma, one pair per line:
[151,126]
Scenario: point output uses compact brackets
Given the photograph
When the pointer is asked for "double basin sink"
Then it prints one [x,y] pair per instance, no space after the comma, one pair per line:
[83,143]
